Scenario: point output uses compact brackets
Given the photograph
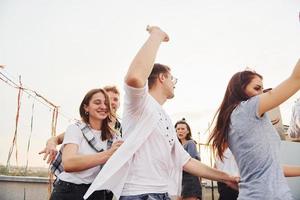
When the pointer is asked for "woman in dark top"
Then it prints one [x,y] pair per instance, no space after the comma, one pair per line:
[191,187]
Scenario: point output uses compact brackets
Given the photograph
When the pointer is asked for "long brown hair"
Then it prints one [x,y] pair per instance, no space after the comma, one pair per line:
[234,95]
[106,130]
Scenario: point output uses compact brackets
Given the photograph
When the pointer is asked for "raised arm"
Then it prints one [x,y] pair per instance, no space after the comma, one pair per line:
[142,64]
[281,93]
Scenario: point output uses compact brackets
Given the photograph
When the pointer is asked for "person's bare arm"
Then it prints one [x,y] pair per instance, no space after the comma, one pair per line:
[281,93]
[199,169]
[50,150]
[142,64]
[291,170]
[72,161]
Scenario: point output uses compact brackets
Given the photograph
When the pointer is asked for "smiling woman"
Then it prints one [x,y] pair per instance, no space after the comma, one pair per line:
[87,146]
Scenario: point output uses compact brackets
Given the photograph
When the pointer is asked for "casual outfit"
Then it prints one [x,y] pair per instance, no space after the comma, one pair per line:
[229,166]
[150,161]
[191,186]
[255,145]
[294,128]
[73,185]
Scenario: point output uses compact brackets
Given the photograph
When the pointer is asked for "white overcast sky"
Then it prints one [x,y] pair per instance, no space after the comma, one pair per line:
[64,48]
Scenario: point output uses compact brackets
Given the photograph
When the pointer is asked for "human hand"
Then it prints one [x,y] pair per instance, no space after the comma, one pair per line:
[157,30]
[233,183]
[49,152]
[115,146]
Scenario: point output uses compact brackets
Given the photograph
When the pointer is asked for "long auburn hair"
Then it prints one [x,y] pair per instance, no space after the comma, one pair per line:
[106,130]
[234,95]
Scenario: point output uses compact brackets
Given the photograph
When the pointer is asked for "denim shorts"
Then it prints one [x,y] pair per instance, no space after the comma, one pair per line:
[147,196]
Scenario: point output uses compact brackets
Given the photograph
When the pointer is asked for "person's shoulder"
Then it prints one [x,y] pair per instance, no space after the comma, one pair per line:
[251,100]
[75,127]
[249,103]
[191,142]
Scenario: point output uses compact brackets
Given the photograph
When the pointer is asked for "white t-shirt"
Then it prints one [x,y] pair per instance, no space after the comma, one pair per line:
[294,128]
[151,158]
[74,135]
[228,165]
[149,171]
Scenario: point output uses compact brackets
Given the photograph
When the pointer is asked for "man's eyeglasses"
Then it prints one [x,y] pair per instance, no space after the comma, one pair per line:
[174,80]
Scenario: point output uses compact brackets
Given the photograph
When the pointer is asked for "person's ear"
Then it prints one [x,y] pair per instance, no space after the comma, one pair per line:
[85,107]
[161,77]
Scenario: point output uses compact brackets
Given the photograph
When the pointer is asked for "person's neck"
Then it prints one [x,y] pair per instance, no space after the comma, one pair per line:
[96,124]
[158,96]
[183,141]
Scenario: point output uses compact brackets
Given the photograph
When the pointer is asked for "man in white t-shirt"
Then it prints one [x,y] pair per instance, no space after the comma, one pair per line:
[149,163]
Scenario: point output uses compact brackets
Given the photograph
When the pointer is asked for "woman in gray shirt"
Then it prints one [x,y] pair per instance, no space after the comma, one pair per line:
[191,186]
[243,125]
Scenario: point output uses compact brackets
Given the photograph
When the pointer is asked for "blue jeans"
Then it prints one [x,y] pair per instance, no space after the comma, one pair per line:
[147,196]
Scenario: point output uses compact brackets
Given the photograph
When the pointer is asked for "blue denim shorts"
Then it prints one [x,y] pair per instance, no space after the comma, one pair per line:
[147,196]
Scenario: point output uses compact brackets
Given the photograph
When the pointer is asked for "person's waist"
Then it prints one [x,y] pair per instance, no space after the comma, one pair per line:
[146,196]
[77,178]
[144,180]
[74,185]
[136,189]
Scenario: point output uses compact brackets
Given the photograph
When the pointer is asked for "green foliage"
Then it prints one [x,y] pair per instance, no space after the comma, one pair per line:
[21,171]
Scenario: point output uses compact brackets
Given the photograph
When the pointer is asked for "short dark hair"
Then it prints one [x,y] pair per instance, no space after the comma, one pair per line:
[157,69]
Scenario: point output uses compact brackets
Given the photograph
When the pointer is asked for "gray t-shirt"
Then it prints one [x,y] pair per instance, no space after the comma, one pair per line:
[255,145]
[191,148]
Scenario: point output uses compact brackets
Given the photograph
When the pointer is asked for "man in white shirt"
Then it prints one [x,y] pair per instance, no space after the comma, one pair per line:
[149,163]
